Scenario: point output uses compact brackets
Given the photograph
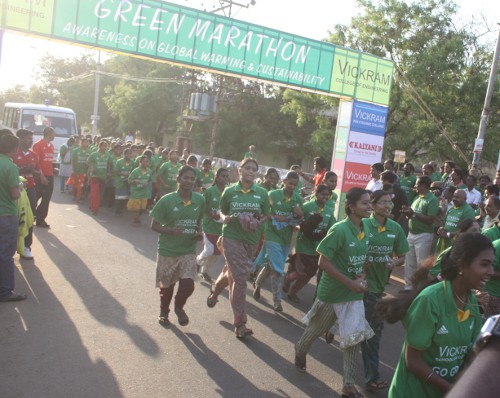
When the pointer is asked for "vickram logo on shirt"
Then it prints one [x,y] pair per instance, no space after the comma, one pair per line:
[442,330]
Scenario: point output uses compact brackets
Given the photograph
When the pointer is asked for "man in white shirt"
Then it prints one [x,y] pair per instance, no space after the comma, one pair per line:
[375,183]
[474,197]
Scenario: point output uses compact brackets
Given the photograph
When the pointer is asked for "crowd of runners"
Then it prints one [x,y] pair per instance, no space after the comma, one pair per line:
[442,225]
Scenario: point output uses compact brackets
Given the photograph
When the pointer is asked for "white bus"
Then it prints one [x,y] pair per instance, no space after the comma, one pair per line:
[36,117]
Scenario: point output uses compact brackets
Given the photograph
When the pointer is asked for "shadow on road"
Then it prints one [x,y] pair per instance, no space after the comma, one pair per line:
[53,361]
[98,301]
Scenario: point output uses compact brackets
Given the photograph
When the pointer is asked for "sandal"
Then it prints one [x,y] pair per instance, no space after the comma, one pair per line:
[211,301]
[242,332]
[352,394]
[377,385]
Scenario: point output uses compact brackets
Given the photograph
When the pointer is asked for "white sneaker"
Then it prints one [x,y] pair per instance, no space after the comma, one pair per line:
[27,254]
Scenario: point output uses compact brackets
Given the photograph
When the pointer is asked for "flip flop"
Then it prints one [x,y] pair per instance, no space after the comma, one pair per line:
[377,385]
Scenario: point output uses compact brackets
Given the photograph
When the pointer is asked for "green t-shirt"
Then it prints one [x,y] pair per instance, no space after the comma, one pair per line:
[452,218]
[436,176]
[432,326]
[283,207]
[493,233]
[212,197]
[436,269]
[493,285]
[9,178]
[80,158]
[99,165]
[407,184]
[234,202]
[388,240]
[154,165]
[427,205]
[168,173]
[122,166]
[204,180]
[332,201]
[139,190]
[302,243]
[170,212]
[345,247]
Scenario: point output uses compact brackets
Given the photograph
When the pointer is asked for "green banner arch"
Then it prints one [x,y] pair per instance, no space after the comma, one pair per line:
[184,36]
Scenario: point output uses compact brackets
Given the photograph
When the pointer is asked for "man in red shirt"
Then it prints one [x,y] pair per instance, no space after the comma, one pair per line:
[45,151]
[320,168]
[27,162]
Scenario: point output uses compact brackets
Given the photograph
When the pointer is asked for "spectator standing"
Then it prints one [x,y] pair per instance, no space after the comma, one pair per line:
[490,212]
[27,162]
[460,211]
[407,181]
[375,184]
[320,168]
[251,153]
[66,168]
[45,152]
[9,219]
[449,165]
[474,197]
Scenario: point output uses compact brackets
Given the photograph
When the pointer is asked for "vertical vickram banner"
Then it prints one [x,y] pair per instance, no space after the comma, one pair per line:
[359,141]
[191,38]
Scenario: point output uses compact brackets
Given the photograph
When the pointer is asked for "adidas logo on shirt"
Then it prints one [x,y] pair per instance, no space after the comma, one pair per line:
[176,209]
[352,244]
[442,330]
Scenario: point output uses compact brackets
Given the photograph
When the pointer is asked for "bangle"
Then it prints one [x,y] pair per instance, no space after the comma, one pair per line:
[429,376]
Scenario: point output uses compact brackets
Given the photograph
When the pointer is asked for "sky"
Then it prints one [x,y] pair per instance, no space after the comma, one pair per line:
[312,19]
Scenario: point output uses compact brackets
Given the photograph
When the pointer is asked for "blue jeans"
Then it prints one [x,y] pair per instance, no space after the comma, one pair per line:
[9,226]
[370,348]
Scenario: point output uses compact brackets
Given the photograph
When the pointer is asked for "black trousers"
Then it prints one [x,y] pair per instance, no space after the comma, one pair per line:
[43,192]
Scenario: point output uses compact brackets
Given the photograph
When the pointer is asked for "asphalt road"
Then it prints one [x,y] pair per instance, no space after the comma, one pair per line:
[89,327]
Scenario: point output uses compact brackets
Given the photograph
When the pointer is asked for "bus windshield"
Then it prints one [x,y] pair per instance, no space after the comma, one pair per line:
[36,120]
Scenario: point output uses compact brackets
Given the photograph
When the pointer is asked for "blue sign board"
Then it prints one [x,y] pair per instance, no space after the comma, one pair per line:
[369,118]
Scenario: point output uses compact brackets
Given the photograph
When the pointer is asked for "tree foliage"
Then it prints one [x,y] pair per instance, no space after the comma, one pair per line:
[438,65]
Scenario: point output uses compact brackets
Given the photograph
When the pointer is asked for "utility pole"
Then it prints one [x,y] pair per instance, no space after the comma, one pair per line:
[95,116]
[486,108]
[225,5]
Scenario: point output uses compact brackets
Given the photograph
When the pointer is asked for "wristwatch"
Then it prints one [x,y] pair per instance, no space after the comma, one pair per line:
[490,330]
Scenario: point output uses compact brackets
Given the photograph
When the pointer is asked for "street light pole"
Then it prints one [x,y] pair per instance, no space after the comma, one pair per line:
[486,108]
[95,115]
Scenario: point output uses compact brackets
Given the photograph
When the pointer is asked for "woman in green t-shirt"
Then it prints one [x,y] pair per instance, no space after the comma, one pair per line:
[177,218]
[340,292]
[286,213]
[245,206]
[304,264]
[212,223]
[442,322]
[386,249]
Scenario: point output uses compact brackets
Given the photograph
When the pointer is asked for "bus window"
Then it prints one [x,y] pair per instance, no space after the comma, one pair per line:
[62,123]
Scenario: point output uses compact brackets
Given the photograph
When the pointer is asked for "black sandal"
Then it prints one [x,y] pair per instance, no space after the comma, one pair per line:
[211,301]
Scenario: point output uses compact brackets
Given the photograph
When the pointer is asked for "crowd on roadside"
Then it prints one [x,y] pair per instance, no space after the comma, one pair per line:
[442,225]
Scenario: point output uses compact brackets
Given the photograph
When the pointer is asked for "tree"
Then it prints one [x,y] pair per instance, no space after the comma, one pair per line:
[144,104]
[438,66]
